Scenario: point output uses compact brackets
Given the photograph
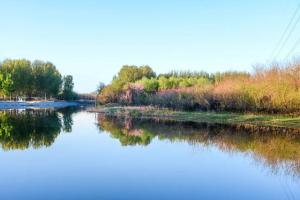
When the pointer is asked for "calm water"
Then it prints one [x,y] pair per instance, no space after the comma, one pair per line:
[71,154]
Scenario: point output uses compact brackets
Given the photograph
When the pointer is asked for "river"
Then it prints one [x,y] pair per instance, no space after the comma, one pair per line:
[72,154]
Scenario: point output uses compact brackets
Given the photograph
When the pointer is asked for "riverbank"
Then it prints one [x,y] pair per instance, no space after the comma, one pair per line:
[5,105]
[281,121]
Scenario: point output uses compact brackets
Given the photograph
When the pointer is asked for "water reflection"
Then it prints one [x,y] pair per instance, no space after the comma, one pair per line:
[21,129]
[278,149]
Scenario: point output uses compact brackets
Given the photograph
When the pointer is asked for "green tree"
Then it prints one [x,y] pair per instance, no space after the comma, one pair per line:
[147,72]
[67,89]
[53,79]
[21,75]
[38,70]
[47,79]
[7,85]
[132,73]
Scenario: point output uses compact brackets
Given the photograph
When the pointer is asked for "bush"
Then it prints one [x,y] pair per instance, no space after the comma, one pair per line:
[150,85]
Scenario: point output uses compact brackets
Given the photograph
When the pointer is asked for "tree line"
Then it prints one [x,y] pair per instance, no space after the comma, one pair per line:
[26,79]
[271,88]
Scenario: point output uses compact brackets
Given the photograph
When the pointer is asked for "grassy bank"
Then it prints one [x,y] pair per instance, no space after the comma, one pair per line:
[283,121]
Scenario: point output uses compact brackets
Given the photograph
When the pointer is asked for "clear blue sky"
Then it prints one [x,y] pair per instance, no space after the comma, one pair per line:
[91,40]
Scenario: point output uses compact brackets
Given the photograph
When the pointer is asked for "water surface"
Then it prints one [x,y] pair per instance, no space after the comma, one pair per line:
[72,154]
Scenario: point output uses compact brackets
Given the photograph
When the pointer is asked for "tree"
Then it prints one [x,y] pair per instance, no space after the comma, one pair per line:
[39,86]
[129,74]
[132,73]
[6,84]
[52,79]
[47,79]
[67,89]
[147,72]
[21,75]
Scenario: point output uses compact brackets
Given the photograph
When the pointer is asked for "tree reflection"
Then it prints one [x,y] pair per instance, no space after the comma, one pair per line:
[67,118]
[32,128]
[124,132]
[276,148]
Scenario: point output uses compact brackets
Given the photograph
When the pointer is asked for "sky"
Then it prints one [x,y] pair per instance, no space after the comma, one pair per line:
[92,39]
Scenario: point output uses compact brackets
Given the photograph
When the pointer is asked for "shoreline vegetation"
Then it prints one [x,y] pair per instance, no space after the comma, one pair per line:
[269,89]
[226,118]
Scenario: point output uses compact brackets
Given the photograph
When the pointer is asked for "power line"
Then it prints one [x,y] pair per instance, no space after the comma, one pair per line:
[293,49]
[288,36]
[285,31]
